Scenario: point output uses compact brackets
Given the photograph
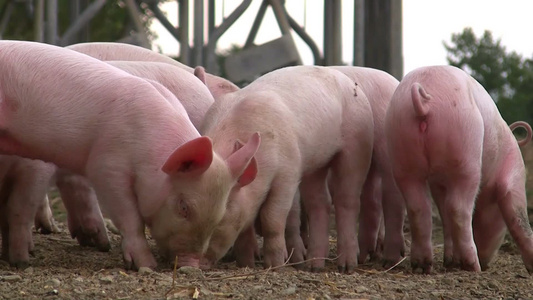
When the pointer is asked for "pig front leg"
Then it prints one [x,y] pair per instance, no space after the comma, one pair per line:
[114,192]
[488,227]
[85,221]
[246,248]
[44,219]
[273,217]
[293,238]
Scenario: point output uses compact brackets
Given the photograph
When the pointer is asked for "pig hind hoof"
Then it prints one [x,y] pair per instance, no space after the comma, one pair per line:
[425,267]
[346,269]
[317,269]
[21,265]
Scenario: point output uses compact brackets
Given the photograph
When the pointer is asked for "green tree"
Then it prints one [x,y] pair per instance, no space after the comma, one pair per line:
[507,76]
[110,24]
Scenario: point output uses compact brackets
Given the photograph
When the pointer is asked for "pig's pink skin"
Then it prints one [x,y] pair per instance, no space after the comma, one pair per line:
[85,220]
[312,119]
[191,92]
[379,87]
[293,237]
[443,128]
[120,51]
[25,183]
[144,158]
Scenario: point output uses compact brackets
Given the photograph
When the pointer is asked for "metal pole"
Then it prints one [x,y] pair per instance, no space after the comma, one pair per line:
[198,32]
[51,22]
[39,21]
[81,21]
[256,24]
[135,16]
[328,25]
[185,50]
[396,39]
[359,33]
[336,22]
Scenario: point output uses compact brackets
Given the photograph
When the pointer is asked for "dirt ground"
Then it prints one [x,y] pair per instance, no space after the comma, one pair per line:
[61,269]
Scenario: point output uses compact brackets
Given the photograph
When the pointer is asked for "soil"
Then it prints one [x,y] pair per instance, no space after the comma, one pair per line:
[61,269]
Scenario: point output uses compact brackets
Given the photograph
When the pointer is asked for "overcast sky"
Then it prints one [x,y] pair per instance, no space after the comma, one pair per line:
[426,24]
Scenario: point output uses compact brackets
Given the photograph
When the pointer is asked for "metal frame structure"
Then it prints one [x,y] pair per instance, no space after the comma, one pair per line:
[388,24]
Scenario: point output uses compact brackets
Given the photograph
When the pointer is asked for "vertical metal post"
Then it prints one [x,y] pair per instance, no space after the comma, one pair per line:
[75,9]
[211,17]
[51,22]
[359,33]
[183,24]
[327,33]
[39,21]
[396,39]
[337,31]
[198,32]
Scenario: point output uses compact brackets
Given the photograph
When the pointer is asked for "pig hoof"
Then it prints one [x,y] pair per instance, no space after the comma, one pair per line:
[21,265]
[103,247]
[425,266]
[317,269]
[346,269]
[470,266]
[448,263]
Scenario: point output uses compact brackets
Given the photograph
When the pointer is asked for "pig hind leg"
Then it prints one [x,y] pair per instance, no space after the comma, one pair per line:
[489,229]
[85,221]
[394,217]
[459,198]
[314,193]
[349,170]
[414,191]
[438,192]
[511,199]
[370,217]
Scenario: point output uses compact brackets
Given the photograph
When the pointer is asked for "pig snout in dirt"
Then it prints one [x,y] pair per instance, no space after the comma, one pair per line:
[143,156]
[444,131]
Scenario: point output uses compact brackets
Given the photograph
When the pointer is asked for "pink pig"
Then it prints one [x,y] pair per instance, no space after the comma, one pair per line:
[443,129]
[85,220]
[24,184]
[379,87]
[312,120]
[119,51]
[144,158]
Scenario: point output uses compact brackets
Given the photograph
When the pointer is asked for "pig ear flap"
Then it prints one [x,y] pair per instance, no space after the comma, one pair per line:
[242,164]
[200,73]
[193,157]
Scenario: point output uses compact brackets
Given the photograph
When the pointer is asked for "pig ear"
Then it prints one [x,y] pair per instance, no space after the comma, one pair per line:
[200,73]
[242,163]
[194,156]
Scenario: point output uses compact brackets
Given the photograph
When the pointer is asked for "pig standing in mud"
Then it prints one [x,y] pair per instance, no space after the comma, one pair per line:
[379,87]
[144,158]
[312,120]
[119,51]
[443,129]
[24,184]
